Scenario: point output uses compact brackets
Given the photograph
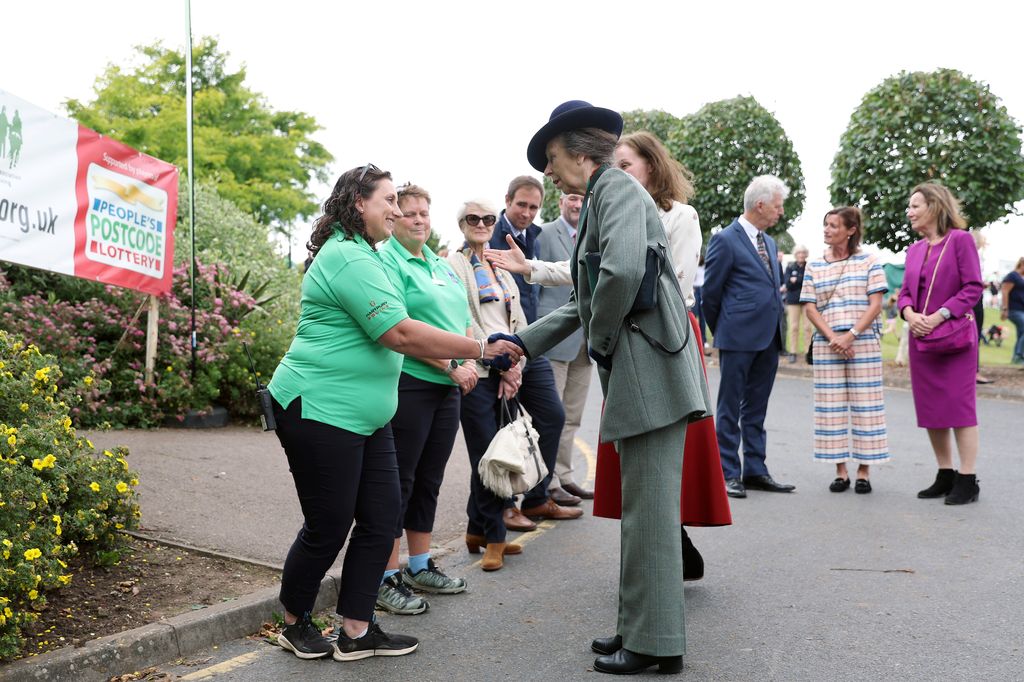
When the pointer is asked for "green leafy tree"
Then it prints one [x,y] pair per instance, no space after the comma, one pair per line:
[920,126]
[260,159]
[549,209]
[661,124]
[725,145]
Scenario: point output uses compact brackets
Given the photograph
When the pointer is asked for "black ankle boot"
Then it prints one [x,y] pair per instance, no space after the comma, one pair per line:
[965,489]
[626,662]
[943,484]
[606,645]
[693,562]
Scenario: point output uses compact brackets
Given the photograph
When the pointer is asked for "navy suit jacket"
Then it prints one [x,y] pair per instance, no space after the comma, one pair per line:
[740,298]
[528,293]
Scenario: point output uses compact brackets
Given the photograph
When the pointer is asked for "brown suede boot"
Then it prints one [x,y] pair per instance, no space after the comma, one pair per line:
[474,543]
[493,557]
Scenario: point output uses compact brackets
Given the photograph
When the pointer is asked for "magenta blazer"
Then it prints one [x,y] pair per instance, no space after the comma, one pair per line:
[958,284]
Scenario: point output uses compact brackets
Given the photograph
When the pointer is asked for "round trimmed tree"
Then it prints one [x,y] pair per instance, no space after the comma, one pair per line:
[725,145]
[920,126]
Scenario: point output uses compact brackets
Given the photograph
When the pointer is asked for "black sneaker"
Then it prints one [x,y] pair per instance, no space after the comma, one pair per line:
[304,639]
[374,643]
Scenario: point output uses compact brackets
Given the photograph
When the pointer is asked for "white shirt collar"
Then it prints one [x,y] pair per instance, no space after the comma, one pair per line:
[749,228]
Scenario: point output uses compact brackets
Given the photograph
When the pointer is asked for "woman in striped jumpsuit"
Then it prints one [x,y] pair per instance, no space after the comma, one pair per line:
[842,295]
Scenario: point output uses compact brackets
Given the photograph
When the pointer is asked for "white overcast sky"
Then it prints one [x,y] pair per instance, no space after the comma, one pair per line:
[447,94]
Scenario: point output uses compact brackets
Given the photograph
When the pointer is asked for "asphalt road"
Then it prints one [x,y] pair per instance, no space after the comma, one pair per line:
[806,586]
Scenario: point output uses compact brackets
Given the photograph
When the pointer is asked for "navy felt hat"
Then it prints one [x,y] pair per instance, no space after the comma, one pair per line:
[571,115]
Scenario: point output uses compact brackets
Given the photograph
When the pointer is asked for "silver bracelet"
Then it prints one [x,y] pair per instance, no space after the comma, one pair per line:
[482,347]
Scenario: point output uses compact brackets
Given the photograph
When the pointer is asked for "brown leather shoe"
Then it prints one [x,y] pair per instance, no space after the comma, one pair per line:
[550,510]
[578,491]
[475,542]
[494,557]
[514,520]
[561,497]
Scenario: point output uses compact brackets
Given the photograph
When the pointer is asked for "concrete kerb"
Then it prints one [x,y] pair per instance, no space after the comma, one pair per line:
[171,639]
[160,642]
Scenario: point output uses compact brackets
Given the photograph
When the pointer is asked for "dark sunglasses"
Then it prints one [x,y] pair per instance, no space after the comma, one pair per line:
[473,220]
[366,168]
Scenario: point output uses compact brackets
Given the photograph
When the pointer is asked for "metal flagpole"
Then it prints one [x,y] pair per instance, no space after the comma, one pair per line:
[191,175]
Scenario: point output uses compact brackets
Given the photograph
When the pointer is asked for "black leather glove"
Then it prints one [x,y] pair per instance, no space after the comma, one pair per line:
[604,361]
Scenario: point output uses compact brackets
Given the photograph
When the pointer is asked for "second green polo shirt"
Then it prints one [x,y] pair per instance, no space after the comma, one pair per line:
[431,293]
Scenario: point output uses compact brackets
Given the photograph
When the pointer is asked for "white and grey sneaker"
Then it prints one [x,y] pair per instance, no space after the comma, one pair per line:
[303,639]
[374,643]
[396,597]
[431,579]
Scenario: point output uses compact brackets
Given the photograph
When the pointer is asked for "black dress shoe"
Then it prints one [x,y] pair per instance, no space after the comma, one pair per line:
[734,488]
[578,491]
[606,645]
[626,662]
[768,483]
[563,498]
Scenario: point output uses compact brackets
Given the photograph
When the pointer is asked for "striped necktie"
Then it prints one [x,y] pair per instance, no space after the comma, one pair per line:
[762,251]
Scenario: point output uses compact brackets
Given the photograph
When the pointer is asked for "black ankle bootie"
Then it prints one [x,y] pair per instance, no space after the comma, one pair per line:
[626,662]
[606,645]
[942,485]
[693,562]
[965,490]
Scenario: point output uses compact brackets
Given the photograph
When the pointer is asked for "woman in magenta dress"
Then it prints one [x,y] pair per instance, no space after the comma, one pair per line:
[941,285]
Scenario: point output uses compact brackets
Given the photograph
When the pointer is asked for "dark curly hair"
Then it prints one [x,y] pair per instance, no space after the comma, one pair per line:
[340,212]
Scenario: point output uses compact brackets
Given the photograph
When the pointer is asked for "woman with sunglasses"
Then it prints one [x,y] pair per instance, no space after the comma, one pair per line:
[495,307]
[334,394]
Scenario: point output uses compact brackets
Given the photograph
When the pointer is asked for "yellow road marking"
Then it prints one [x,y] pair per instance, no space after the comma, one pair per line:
[226,666]
[590,457]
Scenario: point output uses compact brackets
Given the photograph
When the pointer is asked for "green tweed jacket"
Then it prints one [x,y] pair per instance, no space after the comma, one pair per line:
[647,388]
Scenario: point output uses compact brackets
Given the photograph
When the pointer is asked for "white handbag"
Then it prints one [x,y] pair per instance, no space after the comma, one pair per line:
[512,463]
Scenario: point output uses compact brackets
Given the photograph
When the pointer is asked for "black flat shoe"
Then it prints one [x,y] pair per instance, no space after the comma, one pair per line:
[606,645]
[862,486]
[767,483]
[626,662]
[839,485]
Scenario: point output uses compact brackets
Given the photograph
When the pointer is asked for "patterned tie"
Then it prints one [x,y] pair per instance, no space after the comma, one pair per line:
[762,251]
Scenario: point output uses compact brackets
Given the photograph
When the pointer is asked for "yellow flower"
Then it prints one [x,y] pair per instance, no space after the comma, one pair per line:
[87,381]
[33,553]
[56,519]
[108,453]
[169,368]
[33,595]
[94,486]
[124,464]
[49,400]
[46,500]
[134,481]
[12,440]
[6,543]
[44,463]
[23,407]
[43,374]
[122,487]
[64,579]
[89,443]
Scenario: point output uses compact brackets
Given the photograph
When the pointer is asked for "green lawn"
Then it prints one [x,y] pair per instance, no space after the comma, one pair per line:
[991,355]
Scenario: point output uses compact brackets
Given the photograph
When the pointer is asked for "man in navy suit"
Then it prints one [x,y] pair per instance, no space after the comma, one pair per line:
[743,308]
[522,202]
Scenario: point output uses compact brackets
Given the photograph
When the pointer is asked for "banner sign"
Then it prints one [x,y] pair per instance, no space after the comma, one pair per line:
[75,202]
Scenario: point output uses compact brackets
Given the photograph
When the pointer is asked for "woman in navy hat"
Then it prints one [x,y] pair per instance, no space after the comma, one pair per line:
[649,365]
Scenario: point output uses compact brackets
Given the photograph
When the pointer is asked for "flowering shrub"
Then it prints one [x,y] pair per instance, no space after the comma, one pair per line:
[57,494]
[102,352]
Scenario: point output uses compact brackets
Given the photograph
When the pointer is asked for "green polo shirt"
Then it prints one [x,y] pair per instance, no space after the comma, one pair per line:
[432,293]
[345,378]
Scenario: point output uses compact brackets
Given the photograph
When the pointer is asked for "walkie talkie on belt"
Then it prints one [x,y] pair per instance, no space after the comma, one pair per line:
[263,395]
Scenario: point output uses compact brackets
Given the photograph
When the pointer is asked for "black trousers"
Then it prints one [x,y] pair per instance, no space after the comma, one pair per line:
[424,427]
[479,415]
[340,477]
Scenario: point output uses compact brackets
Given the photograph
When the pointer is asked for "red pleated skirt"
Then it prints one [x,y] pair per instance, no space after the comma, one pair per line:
[704,502]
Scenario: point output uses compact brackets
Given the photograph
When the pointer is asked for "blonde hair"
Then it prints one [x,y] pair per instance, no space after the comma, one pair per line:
[942,205]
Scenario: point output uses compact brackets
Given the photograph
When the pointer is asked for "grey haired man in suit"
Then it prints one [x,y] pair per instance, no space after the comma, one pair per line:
[569,360]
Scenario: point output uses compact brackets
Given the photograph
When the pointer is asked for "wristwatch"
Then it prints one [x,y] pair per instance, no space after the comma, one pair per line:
[944,311]
[453,365]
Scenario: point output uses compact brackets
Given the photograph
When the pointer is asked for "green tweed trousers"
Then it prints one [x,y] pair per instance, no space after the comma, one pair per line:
[651,612]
